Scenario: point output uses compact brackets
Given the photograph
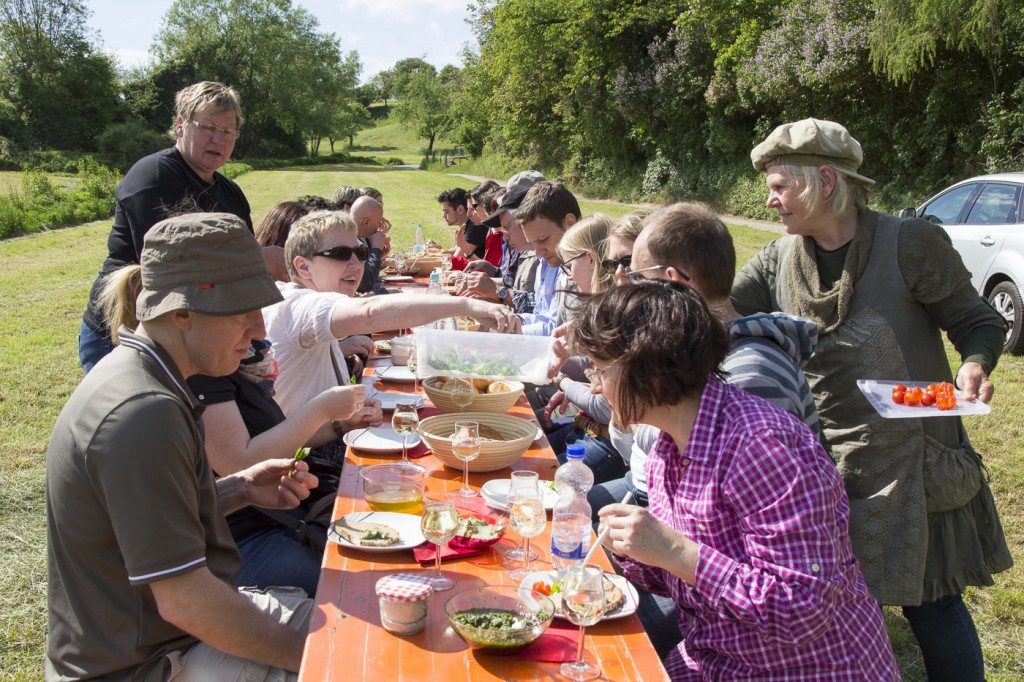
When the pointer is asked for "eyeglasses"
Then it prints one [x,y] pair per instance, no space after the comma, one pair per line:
[344,253]
[211,130]
[564,267]
[611,265]
[594,374]
[635,276]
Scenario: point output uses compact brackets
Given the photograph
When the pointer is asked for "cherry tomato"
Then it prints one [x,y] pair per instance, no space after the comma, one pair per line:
[913,396]
[542,587]
[928,399]
[897,395]
[901,388]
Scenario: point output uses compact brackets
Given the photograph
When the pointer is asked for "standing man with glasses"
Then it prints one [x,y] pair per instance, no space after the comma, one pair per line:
[180,179]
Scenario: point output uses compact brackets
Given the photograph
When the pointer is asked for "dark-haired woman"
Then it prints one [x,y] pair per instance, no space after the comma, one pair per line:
[746,528]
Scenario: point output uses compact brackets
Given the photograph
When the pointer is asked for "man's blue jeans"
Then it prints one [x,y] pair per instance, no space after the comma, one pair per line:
[92,347]
[599,453]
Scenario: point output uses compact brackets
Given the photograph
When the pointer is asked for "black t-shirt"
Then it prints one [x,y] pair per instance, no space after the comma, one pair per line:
[477,236]
[156,187]
[259,412]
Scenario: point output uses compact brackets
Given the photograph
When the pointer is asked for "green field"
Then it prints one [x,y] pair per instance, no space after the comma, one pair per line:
[389,140]
[43,289]
[10,182]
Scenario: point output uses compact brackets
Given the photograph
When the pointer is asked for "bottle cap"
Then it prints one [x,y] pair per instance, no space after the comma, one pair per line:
[575,451]
[435,277]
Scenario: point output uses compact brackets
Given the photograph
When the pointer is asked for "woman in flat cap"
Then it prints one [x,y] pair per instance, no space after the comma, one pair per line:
[882,291]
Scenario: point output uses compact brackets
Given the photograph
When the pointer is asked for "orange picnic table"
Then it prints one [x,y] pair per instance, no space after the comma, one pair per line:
[347,642]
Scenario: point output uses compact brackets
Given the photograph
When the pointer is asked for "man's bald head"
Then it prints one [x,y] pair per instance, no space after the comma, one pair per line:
[368,214]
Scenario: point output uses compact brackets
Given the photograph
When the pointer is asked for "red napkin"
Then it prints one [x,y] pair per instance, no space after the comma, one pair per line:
[426,552]
[556,645]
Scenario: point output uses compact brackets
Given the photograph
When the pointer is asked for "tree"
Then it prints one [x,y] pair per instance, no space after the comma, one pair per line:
[424,106]
[63,90]
[287,73]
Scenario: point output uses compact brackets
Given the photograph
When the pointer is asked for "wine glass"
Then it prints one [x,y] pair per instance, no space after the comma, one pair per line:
[398,260]
[466,446]
[521,479]
[463,392]
[528,518]
[404,420]
[446,265]
[583,595]
[439,523]
[412,363]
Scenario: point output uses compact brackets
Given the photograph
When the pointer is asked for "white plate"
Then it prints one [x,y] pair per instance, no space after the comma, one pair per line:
[407,525]
[879,394]
[631,599]
[381,439]
[398,373]
[398,278]
[388,400]
[495,491]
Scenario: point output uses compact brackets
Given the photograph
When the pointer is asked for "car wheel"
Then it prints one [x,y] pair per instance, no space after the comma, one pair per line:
[1005,298]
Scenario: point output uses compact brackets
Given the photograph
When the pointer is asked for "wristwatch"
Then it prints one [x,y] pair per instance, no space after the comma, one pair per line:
[502,293]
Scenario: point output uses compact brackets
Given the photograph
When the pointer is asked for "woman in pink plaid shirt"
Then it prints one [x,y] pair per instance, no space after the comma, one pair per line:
[747,524]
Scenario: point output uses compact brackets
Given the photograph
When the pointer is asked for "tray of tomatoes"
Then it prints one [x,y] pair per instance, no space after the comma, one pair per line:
[916,399]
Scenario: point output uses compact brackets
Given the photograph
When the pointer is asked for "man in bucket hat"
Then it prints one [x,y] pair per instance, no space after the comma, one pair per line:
[141,562]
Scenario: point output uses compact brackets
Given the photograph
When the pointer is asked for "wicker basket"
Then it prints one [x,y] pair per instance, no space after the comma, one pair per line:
[483,402]
[423,265]
[494,455]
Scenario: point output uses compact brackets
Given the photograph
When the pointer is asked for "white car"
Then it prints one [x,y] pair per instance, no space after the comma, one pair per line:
[981,216]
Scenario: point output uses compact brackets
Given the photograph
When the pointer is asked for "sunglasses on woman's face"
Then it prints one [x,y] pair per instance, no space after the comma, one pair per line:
[610,265]
[344,253]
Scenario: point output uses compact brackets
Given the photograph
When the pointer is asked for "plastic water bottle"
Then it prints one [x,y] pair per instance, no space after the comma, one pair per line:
[435,287]
[419,243]
[570,519]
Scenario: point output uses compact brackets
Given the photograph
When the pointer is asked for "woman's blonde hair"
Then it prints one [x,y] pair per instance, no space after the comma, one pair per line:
[307,232]
[117,298]
[848,195]
[589,236]
[630,226]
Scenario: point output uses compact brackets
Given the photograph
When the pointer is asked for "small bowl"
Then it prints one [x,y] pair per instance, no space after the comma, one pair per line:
[533,606]
[482,402]
[500,523]
[394,486]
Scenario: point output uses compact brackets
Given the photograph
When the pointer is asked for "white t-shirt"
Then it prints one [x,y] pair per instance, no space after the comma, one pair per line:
[300,329]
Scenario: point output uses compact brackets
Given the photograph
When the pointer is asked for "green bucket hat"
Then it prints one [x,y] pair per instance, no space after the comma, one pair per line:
[811,142]
[206,262]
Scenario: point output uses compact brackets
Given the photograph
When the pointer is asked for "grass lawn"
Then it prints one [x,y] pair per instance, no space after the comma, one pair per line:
[389,140]
[10,182]
[43,289]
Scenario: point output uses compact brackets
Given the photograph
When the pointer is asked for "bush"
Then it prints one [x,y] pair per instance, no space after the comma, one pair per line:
[42,205]
[234,169]
[126,143]
[394,161]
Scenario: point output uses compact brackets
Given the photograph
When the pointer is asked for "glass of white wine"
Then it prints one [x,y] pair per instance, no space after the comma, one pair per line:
[583,594]
[521,479]
[463,392]
[412,363]
[405,420]
[446,265]
[466,446]
[439,523]
[528,518]
[398,260]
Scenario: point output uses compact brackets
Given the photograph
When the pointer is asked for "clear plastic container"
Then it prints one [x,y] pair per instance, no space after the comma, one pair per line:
[404,601]
[483,356]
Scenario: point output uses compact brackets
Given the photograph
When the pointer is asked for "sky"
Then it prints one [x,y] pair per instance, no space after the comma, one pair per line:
[381,31]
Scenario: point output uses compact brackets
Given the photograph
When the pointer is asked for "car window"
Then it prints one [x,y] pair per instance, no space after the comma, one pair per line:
[946,209]
[996,205]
